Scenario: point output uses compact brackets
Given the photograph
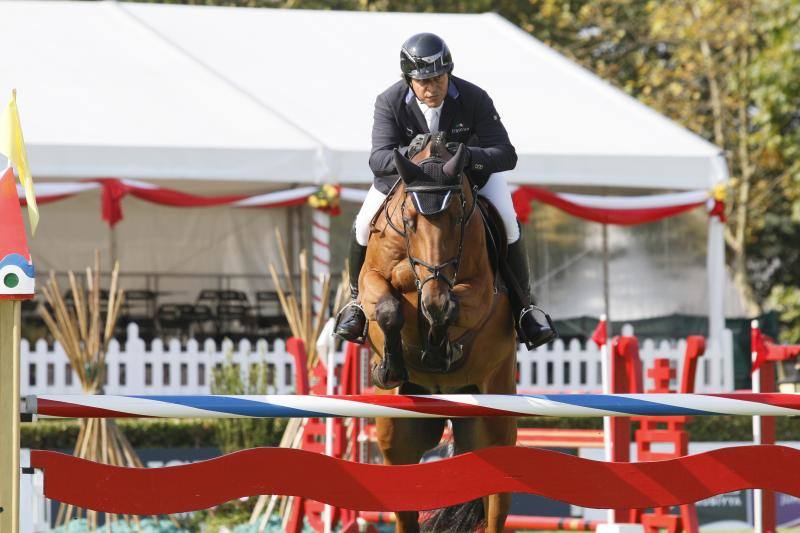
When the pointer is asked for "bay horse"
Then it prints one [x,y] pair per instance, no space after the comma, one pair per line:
[437,321]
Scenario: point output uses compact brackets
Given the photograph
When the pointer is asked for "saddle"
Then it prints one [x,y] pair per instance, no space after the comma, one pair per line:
[496,241]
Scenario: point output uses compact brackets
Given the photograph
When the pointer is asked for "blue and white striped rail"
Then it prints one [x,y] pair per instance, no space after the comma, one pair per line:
[397,406]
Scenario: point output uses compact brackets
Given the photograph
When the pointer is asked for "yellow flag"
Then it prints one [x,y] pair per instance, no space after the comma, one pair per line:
[12,145]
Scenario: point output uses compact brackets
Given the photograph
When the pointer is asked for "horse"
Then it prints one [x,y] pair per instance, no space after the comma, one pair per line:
[439,321]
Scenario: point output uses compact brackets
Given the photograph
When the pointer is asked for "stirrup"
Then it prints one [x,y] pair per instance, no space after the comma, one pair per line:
[535,343]
[362,337]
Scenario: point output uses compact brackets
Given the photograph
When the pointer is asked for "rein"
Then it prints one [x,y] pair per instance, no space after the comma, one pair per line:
[436,271]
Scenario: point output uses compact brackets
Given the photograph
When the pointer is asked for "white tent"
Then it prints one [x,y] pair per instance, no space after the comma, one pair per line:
[150,91]
[219,100]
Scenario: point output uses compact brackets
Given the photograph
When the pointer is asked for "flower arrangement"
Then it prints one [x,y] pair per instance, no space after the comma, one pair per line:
[326,199]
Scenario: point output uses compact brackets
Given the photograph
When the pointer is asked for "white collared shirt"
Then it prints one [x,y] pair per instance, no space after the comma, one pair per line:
[431,114]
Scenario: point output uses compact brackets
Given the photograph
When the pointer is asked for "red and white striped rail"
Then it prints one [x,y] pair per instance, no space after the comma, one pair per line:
[421,406]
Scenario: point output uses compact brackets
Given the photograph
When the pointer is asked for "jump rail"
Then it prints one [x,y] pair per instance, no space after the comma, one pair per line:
[365,487]
[398,406]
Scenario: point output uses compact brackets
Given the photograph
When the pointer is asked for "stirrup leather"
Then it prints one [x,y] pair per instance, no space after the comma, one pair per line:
[363,335]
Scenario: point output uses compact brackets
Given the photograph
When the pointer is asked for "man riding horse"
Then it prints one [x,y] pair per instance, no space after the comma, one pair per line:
[430,99]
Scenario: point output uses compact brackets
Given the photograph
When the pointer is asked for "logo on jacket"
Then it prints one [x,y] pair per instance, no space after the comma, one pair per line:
[409,132]
[459,128]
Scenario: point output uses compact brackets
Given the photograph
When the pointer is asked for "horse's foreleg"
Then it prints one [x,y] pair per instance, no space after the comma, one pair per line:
[403,441]
[471,434]
[381,306]
[474,433]
[496,506]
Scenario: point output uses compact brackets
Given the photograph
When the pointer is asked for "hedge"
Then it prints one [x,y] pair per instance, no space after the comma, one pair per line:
[166,433]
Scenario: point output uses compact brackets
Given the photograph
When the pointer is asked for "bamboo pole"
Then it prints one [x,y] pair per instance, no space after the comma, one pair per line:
[286,269]
[84,329]
[284,302]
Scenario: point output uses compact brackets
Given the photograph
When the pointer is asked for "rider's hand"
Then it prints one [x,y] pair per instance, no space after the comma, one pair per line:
[417,144]
[452,147]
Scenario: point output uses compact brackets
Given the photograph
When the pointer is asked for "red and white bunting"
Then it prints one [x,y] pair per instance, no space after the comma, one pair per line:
[621,210]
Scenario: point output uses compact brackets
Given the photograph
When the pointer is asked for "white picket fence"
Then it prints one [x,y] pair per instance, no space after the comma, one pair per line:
[167,369]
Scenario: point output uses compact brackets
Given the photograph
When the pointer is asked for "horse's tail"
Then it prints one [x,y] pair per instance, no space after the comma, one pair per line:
[456,519]
[461,518]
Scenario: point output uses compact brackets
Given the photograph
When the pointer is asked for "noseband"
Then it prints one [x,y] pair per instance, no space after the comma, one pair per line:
[436,271]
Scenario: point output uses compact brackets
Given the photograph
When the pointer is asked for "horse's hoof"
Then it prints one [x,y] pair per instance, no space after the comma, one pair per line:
[385,377]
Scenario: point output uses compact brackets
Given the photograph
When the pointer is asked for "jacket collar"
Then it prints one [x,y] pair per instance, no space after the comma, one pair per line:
[452,92]
[447,108]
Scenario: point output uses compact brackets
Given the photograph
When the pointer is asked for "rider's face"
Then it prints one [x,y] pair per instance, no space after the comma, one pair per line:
[432,90]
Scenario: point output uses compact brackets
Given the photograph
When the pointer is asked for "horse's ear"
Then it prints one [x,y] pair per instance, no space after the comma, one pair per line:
[456,164]
[407,170]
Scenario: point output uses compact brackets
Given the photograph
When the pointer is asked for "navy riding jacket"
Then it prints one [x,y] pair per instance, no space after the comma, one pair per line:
[468,116]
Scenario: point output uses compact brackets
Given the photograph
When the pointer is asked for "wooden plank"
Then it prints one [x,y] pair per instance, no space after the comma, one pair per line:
[435,484]
[9,415]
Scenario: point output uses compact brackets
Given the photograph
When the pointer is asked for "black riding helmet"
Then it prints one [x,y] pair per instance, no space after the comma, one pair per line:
[425,55]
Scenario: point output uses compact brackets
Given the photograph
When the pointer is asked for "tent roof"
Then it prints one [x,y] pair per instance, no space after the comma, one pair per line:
[150,91]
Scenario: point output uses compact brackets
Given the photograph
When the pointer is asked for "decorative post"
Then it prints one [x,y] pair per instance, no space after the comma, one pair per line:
[16,284]
[17,278]
[715,270]
[321,251]
[326,204]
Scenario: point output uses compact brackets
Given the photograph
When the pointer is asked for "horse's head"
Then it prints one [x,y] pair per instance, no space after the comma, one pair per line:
[436,208]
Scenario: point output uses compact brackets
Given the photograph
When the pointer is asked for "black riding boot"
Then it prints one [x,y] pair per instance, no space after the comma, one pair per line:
[534,326]
[351,323]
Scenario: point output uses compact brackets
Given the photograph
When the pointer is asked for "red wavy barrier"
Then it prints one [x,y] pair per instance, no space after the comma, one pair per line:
[583,482]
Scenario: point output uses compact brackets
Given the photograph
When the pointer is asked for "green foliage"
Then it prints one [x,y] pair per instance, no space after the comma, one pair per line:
[57,434]
[222,517]
[786,300]
[738,428]
[701,428]
[560,423]
[241,433]
[162,433]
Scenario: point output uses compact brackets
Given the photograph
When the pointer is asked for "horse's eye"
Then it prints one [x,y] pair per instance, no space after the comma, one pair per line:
[410,223]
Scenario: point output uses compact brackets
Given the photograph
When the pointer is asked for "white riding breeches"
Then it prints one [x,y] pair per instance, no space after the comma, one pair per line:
[496,191]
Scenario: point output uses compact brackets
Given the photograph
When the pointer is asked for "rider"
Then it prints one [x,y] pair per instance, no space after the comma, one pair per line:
[430,99]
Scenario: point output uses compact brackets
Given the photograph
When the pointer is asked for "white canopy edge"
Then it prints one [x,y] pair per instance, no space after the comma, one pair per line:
[174,92]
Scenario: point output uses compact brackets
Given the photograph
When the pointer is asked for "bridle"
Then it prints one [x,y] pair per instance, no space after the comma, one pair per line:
[436,271]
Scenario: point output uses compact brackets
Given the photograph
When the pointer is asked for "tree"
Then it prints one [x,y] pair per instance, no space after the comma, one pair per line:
[727,71]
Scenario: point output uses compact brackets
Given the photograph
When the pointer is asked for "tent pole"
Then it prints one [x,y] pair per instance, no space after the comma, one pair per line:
[606,290]
[715,270]
[611,517]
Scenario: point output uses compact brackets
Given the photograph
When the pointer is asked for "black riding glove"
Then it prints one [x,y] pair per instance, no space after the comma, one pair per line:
[417,144]
[452,147]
